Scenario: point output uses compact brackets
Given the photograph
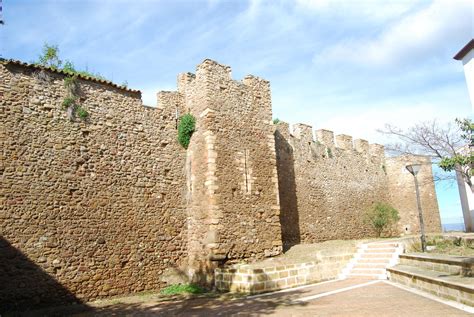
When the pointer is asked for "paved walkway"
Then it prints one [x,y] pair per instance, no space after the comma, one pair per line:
[351,297]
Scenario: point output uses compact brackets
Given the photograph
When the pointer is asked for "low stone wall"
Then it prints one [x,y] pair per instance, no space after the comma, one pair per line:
[250,279]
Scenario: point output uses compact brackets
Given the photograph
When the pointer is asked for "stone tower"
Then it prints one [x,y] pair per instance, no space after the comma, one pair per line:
[233,203]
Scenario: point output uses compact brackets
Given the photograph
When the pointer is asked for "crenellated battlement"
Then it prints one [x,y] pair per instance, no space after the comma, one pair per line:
[304,133]
[211,69]
[325,137]
[344,142]
[184,80]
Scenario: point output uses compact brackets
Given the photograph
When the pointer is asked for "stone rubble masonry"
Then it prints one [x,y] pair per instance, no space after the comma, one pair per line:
[326,186]
[104,206]
[98,205]
[401,186]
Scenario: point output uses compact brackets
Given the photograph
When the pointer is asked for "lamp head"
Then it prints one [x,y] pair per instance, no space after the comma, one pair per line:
[413,168]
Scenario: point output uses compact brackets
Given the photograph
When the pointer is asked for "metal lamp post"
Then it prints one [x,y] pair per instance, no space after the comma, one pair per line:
[414,169]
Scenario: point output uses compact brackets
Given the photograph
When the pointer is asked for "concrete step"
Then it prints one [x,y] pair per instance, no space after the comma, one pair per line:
[367,271]
[371,260]
[451,287]
[374,261]
[380,250]
[376,255]
[382,245]
[370,265]
[374,276]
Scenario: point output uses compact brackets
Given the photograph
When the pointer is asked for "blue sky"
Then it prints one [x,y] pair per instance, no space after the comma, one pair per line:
[348,66]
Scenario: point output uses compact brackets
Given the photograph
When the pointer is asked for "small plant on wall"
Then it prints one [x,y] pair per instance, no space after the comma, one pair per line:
[186,127]
[70,102]
[382,217]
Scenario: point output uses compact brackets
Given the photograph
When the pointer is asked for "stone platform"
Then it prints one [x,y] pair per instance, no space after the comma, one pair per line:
[447,277]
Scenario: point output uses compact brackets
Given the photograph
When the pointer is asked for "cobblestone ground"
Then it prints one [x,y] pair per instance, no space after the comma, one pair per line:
[351,297]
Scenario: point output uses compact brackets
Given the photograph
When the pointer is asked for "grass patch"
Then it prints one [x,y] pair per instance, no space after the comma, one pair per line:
[82,113]
[446,246]
[182,289]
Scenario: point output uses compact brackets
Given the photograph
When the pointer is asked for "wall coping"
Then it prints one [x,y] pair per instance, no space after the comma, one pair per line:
[58,71]
[445,259]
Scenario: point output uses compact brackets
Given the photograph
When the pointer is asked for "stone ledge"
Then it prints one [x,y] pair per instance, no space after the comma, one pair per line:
[449,287]
[459,260]
[448,264]
[462,283]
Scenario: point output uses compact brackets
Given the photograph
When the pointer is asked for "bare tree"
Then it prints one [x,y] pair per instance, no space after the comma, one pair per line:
[448,145]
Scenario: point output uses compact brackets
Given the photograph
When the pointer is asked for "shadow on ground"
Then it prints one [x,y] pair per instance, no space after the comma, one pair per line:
[25,285]
[200,307]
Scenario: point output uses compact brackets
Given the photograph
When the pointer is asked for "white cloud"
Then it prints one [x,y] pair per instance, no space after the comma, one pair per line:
[361,116]
[419,36]
[364,125]
[371,9]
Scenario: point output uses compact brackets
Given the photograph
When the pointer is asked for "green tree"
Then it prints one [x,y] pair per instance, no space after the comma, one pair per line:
[463,160]
[381,217]
[50,57]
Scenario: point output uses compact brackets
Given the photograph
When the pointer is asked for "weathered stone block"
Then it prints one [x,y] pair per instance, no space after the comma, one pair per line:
[344,142]
[361,146]
[326,137]
[303,132]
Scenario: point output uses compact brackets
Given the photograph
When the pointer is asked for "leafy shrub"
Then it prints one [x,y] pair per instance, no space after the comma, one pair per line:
[276,121]
[186,127]
[68,102]
[70,83]
[50,57]
[182,288]
[82,113]
[381,217]
[69,68]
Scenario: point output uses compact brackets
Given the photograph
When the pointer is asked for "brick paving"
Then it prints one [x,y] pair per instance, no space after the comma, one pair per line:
[367,298]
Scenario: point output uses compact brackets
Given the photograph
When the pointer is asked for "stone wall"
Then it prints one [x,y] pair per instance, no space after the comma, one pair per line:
[328,183]
[335,183]
[96,205]
[401,186]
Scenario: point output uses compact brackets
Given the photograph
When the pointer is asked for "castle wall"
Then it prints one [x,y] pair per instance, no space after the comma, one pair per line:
[234,204]
[403,196]
[335,184]
[97,207]
[111,204]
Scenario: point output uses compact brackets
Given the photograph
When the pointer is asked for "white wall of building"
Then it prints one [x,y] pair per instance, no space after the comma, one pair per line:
[465,193]
[468,62]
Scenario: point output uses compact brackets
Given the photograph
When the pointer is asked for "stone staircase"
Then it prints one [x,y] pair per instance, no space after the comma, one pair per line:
[372,259]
